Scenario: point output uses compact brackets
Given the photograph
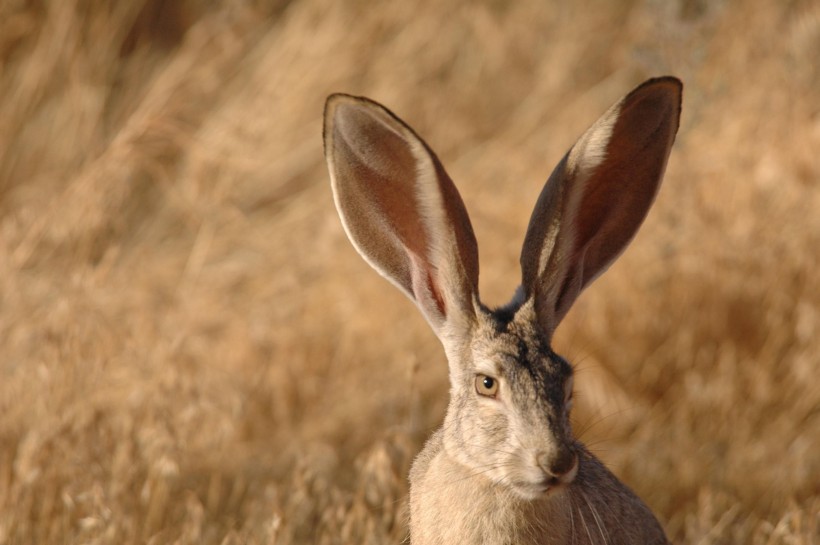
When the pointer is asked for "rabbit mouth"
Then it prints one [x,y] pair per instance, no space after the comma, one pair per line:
[546,484]
[545,487]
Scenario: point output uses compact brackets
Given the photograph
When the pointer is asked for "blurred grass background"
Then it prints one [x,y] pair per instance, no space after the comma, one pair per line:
[192,352]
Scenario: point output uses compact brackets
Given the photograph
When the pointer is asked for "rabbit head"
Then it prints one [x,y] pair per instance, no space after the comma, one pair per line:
[508,416]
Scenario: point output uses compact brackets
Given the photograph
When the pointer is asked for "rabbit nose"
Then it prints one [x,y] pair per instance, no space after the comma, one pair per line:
[560,464]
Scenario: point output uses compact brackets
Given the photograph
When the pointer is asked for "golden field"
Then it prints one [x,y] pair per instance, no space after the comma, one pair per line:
[192,352]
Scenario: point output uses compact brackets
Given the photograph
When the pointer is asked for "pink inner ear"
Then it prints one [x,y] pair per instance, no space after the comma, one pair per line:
[437,298]
[402,211]
[425,287]
[598,215]
[378,192]
[622,189]
[609,216]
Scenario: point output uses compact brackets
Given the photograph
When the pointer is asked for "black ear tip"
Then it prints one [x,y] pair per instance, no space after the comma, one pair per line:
[336,99]
[332,99]
[668,83]
[662,95]
[664,87]
[327,122]
[341,108]
[670,80]
[330,103]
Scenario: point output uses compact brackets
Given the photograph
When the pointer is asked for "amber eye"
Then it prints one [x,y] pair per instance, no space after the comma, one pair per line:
[486,386]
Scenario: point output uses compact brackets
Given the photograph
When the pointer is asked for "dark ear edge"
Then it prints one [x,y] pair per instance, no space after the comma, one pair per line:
[598,196]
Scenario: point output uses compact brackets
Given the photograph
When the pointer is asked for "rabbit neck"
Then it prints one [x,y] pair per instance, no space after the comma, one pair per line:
[451,504]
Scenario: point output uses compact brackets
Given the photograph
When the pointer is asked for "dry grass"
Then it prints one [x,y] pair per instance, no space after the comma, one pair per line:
[193,353]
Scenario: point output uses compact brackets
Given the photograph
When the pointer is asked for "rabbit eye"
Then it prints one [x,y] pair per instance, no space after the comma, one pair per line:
[486,386]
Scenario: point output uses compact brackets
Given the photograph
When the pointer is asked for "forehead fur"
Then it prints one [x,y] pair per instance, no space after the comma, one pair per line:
[512,339]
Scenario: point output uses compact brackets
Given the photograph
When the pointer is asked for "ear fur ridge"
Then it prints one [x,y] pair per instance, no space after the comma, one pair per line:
[591,149]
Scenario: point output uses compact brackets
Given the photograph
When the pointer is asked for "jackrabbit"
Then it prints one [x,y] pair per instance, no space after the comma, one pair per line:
[505,468]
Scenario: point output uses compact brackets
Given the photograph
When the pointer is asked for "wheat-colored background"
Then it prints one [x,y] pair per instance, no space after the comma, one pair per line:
[192,352]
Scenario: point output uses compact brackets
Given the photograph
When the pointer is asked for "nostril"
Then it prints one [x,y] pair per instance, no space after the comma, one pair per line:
[571,471]
[563,462]
[552,481]
[559,464]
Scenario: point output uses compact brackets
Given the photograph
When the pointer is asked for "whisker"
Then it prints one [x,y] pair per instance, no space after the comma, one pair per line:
[584,522]
[595,421]
[571,515]
[595,516]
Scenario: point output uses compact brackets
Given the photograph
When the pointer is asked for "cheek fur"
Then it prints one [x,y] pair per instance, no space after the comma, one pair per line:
[486,435]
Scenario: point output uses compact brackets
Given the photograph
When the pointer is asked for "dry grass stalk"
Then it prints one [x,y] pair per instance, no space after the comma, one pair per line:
[184,357]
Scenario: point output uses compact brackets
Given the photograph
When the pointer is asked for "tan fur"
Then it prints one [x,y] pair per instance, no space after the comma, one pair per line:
[448,505]
[505,467]
[453,503]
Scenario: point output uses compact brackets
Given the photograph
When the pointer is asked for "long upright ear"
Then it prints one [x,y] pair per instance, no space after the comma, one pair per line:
[401,211]
[598,196]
